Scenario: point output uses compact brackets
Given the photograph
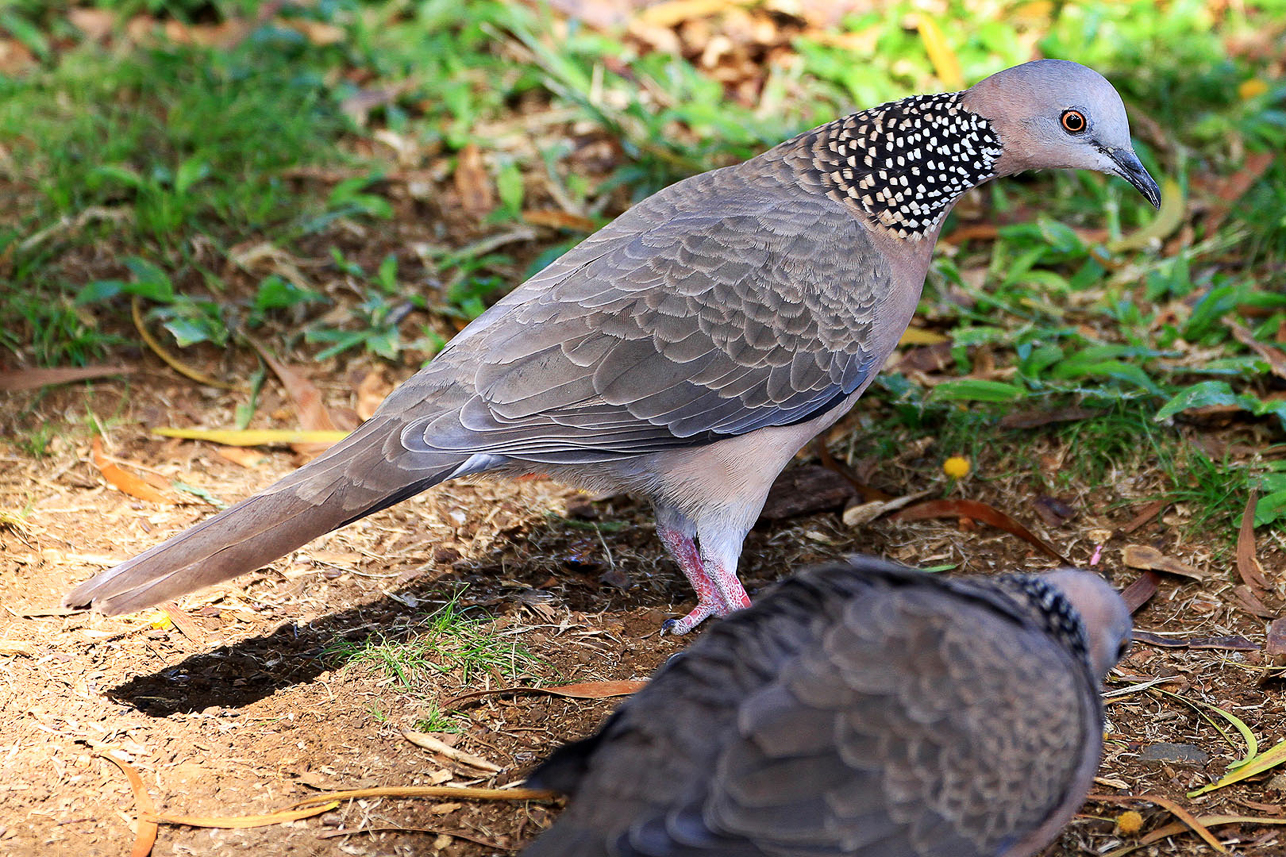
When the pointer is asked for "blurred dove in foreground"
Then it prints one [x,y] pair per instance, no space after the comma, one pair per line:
[857,709]
[689,349]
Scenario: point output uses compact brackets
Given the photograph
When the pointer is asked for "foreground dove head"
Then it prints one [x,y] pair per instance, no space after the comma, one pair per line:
[859,709]
[686,351]
[1058,114]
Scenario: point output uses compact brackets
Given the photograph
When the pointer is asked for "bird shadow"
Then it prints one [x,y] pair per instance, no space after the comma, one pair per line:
[238,674]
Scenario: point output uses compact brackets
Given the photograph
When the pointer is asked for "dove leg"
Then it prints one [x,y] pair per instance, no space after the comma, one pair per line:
[711,569]
[676,533]
[719,554]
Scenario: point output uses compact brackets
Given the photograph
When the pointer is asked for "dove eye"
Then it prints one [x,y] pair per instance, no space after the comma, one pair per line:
[1074,121]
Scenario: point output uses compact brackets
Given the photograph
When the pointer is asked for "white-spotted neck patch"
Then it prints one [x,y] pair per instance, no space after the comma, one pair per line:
[905,163]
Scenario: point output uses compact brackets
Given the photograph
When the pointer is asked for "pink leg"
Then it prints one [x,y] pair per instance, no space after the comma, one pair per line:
[709,599]
[731,592]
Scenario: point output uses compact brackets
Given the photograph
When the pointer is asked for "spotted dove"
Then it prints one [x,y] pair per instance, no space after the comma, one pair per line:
[687,350]
[859,709]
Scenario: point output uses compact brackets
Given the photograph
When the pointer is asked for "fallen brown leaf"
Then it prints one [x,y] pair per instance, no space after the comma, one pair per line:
[15,648]
[1146,514]
[804,490]
[978,511]
[240,822]
[1229,189]
[559,220]
[34,379]
[460,792]
[1252,573]
[123,480]
[1275,644]
[312,412]
[1140,591]
[243,456]
[1275,356]
[371,391]
[145,838]
[1172,807]
[472,182]
[1245,598]
[1146,557]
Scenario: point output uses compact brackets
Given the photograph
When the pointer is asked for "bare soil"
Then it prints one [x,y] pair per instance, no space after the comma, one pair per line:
[254,710]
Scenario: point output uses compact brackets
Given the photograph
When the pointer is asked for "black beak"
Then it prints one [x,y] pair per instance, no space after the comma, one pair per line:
[1129,168]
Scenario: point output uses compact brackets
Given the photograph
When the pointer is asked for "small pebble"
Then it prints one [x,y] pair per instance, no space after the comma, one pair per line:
[1174,754]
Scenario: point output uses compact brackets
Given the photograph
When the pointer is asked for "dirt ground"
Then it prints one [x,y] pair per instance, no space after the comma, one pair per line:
[251,709]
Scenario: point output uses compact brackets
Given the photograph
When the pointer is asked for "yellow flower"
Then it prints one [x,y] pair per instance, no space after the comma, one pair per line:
[161,621]
[1129,823]
[1251,88]
[957,467]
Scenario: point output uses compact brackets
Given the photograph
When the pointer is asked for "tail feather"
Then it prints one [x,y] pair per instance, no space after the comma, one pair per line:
[354,480]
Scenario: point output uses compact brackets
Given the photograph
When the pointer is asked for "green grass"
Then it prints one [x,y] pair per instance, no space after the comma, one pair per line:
[452,640]
[140,169]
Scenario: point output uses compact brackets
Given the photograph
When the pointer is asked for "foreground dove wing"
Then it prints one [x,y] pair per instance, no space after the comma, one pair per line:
[860,709]
[689,349]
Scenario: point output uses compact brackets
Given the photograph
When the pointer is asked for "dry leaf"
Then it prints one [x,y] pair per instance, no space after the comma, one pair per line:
[1275,644]
[1252,573]
[472,182]
[920,336]
[945,62]
[1229,189]
[452,792]
[982,512]
[145,838]
[240,822]
[96,24]
[312,412]
[1145,557]
[247,458]
[257,437]
[804,490]
[1140,591]
[559,220]
[34,379]
[1177,811]
[16,647]
[1245,598]
[671,13]
[1146,514]
[317,32]
[864,513]
[124,481]
[1275,357]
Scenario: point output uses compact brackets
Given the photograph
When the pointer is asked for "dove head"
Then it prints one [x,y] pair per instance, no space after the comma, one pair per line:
[1054,114]
[1104,616]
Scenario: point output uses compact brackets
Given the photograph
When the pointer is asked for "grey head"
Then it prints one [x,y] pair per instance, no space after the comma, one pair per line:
[1077,608]
[1055,114]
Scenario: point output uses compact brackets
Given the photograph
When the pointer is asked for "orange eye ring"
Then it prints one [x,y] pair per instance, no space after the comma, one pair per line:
[1074,122]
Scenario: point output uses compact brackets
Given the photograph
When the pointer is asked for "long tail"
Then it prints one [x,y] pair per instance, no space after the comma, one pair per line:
[366,472]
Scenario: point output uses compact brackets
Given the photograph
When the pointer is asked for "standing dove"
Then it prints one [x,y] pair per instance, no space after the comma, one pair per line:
[861,709]
[690,348]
